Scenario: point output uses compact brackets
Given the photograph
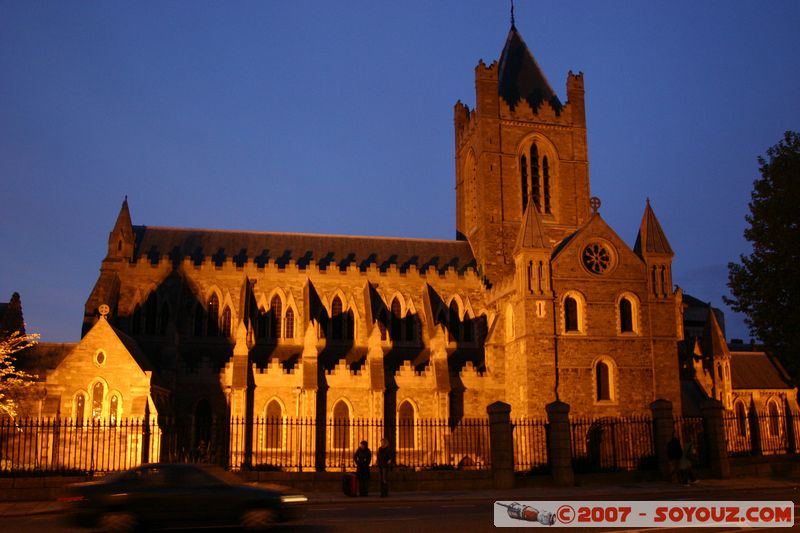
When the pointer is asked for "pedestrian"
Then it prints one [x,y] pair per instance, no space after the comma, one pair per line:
[363,458]
[689,456]
[385,462]
[674,454]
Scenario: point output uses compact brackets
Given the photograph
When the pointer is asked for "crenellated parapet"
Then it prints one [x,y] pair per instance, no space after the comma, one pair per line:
[407,376]
[342,376]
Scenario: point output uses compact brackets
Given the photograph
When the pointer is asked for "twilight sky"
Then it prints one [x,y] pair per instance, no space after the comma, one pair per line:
[337,117]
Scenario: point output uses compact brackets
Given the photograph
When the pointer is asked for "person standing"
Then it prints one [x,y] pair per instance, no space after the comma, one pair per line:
[385,462]
[363,458]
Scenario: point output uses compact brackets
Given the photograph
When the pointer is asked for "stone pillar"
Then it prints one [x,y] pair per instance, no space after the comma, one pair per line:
[501,442]
[663,429]
[559,450]
[714,427]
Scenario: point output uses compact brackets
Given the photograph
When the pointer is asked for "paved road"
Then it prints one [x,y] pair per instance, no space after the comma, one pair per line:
[388,516]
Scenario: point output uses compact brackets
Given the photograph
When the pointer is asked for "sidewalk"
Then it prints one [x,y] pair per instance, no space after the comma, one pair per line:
[710,489]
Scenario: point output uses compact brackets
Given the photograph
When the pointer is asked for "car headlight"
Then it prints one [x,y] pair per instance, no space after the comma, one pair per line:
[296,498]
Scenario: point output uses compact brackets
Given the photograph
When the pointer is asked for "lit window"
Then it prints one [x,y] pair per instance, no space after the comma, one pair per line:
[275,314]
[289,323]
[274,425]
[213,316]
[406,427]
[570,314]
[98,392]
[226,322]
[602,375]
[625,316]
[341,426]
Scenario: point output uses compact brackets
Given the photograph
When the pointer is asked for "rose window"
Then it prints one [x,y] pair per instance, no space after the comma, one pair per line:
[596,258]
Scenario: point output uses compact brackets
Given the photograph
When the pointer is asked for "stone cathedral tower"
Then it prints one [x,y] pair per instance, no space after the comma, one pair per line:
[520,146]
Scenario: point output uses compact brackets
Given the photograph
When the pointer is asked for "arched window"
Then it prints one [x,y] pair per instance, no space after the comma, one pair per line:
[602,376]
[276,313]
[226,322]
[349,325]
[198,320]
[113,409]
[337,320]
[536,177]
[274,426]
[454,323]
[164,319]
[213,316]
[405,426]
[289,319]
[523,167]
[546,184]
[741,419]
[571,322]
[625,316]
[341,426]
[150,314]
[774,414]
[98,394]
[534,186]
[397,320]
[80,408]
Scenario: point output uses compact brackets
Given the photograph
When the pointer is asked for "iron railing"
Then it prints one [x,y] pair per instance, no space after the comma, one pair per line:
[292,444]
[690,429]
[609,444]
[530,445]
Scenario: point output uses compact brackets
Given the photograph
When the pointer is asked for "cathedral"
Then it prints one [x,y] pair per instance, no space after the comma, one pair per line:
[536,299]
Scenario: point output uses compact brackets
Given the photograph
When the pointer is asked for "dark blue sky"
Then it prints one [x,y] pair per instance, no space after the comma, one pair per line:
[337,117]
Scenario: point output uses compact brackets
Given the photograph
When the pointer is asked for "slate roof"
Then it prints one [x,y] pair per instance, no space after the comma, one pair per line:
[755,370]
[327,250]
[43,356]
[519,76]
[651,238]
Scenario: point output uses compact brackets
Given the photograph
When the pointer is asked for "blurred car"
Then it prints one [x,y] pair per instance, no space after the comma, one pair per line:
[155,496]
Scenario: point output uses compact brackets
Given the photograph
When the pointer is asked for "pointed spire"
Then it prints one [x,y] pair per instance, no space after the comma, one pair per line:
[520,75]
[530,231]
[124,216]
[11,319]
[512,13]
[651,238]
[713,339]
[121,240]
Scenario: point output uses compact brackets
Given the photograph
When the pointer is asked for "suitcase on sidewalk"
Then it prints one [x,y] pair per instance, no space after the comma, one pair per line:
[350,485]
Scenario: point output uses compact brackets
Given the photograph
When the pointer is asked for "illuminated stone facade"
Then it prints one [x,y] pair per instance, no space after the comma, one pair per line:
[537,299]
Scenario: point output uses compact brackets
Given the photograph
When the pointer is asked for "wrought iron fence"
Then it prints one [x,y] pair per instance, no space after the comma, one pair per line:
[690,429]
[761,433]
[609,444]
[292,444]
[52,445]
[530,445]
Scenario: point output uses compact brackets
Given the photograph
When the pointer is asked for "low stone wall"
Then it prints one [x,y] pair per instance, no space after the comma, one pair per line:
[40,488]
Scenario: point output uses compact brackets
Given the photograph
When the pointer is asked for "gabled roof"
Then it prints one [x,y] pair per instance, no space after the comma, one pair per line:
[326,250]
[530,232]
[651,238]
[520,76]
[755,370]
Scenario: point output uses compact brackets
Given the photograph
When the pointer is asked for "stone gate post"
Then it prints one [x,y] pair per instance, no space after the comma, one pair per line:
[714,427]
[663,428]
[502,445]
[559,450]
